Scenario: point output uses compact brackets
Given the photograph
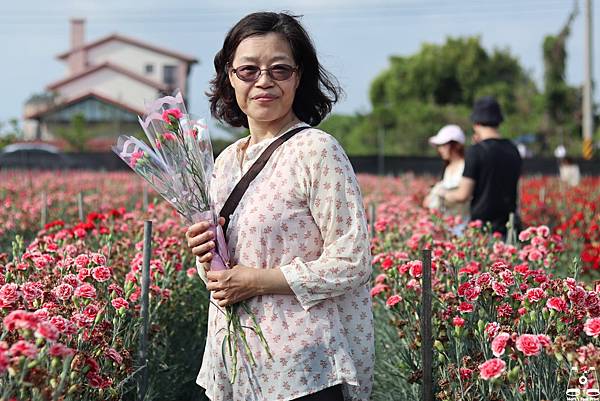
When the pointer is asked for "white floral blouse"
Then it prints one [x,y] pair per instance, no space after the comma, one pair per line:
[304,214]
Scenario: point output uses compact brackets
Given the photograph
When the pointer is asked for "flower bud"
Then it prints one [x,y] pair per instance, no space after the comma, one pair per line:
[480,326]
[513,374]
[545,313]
[438,345]
[32,364]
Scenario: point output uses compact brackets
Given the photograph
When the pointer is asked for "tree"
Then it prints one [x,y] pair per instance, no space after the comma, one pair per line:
[77,134]
[562,102]
[418,94]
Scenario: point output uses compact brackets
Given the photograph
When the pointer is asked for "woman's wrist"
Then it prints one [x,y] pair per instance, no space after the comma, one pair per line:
[272,281]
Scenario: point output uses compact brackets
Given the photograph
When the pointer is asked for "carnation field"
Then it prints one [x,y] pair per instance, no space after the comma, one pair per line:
[516,321]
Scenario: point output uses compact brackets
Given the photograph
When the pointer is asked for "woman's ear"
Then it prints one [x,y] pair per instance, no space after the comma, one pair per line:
[230,74]
[298,78]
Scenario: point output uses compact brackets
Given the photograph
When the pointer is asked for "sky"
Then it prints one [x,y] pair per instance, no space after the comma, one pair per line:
[354,38]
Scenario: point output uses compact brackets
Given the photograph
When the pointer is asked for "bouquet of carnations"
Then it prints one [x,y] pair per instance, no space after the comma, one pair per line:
[179,165]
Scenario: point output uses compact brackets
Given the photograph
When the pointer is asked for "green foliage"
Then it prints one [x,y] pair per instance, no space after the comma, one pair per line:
[176,349]
[562,103]
[454,73]
[77,134]
[10,133]
[418,94]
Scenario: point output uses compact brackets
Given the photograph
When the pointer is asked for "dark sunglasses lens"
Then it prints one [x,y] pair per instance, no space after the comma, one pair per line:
[247,73]
[281,72]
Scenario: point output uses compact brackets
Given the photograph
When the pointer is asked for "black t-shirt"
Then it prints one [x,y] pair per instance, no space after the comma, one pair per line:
[495,166]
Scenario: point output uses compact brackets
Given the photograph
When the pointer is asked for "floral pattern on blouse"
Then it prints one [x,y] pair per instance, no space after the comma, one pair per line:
[304,214]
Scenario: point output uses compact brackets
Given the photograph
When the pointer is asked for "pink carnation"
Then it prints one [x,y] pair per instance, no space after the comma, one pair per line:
[393,300]
[9,293]
[3,361]
[491,329]
[499,344]
[500,289]
[378,289]
[465,307]
[592,327]
[32,291]
[114,355]
[119,303]
[82,260]
[544,340]
[101,273]
[458,321]
[23,348]
[415,268]
[85,291]
[535,294]
[20,319]
[171,113]
[98,258]
[529,344]
[47,330]
[63,291]
[60,350]
[556,303]
[492,368]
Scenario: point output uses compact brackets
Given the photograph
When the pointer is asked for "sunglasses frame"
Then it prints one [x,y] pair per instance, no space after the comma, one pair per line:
[269,71]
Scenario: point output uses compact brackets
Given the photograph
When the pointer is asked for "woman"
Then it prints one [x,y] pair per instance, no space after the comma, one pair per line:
[298,239]
[450,144]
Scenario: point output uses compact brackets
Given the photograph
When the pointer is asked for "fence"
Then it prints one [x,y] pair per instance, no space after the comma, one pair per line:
[393,165]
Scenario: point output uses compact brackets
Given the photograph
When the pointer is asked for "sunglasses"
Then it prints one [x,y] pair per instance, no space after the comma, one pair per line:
[277,72]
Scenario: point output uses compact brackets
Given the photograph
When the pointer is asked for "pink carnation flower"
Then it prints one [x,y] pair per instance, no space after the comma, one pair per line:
[492,368]
[592,327]
[529,344]
[499,344]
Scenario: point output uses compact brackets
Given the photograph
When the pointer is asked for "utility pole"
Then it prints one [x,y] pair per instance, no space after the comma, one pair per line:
[380,154]
[588,127]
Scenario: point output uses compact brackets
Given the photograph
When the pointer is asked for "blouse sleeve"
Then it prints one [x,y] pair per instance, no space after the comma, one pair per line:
[336,205]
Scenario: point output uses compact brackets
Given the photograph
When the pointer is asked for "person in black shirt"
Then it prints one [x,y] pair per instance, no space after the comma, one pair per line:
[492,170]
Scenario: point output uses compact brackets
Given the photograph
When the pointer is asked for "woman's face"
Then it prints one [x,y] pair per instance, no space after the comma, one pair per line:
[444,151]
[264,100]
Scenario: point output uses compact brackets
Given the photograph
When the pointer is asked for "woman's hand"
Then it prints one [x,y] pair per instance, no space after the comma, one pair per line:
[234,285]
[201,240]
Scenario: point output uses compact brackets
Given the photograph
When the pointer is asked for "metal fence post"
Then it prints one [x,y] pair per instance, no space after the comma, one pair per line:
[372,217]
[145,197]
[142,383]
[80,205]
[44,211]
[426,328]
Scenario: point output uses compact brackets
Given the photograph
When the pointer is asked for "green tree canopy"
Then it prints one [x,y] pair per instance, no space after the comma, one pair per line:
[418,94]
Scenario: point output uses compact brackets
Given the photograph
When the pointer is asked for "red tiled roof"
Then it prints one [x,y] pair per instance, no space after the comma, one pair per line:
[134,42]
[90,94]
[113,67]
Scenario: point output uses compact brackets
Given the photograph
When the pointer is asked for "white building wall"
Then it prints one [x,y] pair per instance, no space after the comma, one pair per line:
[133,58]
[113,85]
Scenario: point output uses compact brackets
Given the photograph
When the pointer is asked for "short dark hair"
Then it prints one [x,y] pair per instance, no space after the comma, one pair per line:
[317,91]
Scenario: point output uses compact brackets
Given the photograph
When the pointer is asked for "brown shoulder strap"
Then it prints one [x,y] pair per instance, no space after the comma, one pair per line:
[236,195]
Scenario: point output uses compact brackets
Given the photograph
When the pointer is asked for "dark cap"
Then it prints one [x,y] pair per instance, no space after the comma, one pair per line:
[486,111]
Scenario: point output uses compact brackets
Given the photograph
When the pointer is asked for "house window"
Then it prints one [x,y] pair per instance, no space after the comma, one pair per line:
[169,75]
[149,68]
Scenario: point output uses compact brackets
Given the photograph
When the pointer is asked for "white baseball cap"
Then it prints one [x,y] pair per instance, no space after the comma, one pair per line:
[446,134]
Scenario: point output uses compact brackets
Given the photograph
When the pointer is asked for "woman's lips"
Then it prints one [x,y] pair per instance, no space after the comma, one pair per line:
[264,98]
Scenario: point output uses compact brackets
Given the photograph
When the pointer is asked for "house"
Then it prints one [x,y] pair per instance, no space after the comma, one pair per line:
[107,82]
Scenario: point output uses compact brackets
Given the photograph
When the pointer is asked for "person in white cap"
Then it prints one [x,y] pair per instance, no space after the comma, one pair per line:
[450,144]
